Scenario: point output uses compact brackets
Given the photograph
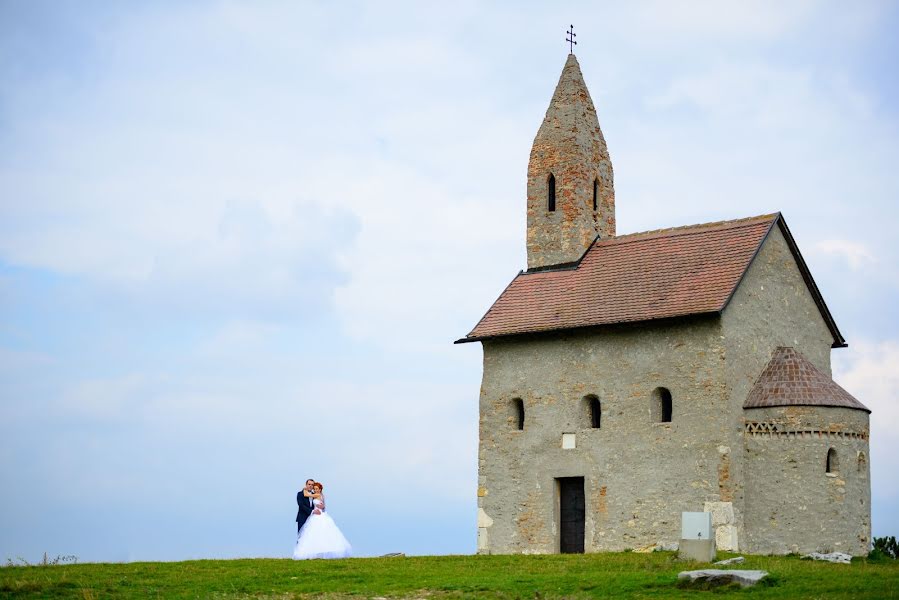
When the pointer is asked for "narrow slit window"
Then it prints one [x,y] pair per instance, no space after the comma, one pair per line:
[551,193]
[662,408]
[518,405]
[595,194]
[832,466]
[594,409]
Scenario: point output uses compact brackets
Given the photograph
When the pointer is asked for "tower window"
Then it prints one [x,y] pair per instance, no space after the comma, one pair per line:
[551,193]
[662,406]
[832,466]
[595,194]
[518,405]
[594,409]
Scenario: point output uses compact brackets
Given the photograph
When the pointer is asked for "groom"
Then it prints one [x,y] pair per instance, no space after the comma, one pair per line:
[304,505]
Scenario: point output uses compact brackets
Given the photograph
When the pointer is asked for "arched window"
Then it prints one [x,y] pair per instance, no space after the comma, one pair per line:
[518,406]
[595,194]
[862,464]
[594,409]
[662,407]
[551,193]
[833,464]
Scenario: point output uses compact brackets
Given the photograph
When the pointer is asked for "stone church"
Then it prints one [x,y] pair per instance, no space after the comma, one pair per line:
[629,378]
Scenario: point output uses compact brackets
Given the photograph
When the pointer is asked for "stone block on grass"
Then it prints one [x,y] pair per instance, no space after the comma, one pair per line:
[717,577]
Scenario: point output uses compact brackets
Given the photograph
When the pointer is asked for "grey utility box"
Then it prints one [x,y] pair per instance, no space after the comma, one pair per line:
[697,540]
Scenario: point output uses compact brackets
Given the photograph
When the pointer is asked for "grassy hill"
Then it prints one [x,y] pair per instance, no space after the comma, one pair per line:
[612,575]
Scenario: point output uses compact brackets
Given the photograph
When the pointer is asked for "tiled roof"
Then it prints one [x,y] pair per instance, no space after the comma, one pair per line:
[791,380]
[631,278]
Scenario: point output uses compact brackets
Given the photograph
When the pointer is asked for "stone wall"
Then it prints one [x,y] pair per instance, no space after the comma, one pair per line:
[766,490]
[772,307]
[792,504]
[639,475]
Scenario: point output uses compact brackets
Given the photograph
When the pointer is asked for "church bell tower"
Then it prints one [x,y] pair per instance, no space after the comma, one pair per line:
[571,197]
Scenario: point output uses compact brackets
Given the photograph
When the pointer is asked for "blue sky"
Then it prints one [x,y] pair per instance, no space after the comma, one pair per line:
[237,240]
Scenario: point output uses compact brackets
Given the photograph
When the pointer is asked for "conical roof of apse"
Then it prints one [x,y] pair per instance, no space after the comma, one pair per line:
[571,113]
[790,379]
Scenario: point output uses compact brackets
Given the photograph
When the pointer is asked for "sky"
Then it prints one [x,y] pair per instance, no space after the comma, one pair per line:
[237,240]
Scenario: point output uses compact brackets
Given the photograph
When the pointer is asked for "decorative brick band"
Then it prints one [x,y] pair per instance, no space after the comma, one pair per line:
[756,428]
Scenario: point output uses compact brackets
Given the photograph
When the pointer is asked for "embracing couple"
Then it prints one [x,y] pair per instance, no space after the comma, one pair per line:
[317,534]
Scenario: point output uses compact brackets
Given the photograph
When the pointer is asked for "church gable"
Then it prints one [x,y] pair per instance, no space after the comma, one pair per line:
[838,340]
[774,305]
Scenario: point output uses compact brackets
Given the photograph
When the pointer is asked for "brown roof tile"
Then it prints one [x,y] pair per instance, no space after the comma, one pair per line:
[631,278]
[790,379]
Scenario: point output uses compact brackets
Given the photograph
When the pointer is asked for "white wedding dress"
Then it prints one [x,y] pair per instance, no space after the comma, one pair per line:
[321,538]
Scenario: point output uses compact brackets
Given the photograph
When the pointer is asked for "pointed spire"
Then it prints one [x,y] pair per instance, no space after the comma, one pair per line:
[570,151]
[571,103]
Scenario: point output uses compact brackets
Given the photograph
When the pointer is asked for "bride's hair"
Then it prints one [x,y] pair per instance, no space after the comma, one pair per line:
[318,485]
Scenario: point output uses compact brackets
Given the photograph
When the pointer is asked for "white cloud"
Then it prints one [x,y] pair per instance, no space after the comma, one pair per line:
[237,339]
[421,259]
[856,254]
[764,19]
[870,372]
[734,137]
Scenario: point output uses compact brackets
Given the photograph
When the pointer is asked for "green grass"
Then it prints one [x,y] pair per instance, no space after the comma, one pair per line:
[611,575]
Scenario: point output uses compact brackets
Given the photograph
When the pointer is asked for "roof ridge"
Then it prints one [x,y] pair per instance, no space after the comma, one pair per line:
[680,230]
[689,229]
[692,270]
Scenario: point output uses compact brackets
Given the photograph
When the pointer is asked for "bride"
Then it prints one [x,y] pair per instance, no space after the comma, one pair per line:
[320,536]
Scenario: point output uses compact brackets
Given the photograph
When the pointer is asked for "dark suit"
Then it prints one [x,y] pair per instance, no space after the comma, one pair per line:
[304,509]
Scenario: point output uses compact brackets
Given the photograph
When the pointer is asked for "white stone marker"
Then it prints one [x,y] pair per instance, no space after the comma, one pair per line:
[569,441]
[696,526]
[697,540]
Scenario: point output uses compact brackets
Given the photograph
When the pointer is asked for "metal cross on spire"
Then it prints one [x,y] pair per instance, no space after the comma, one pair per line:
[570,38]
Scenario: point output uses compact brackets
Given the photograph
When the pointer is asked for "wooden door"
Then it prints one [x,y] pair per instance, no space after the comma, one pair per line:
[571,513]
